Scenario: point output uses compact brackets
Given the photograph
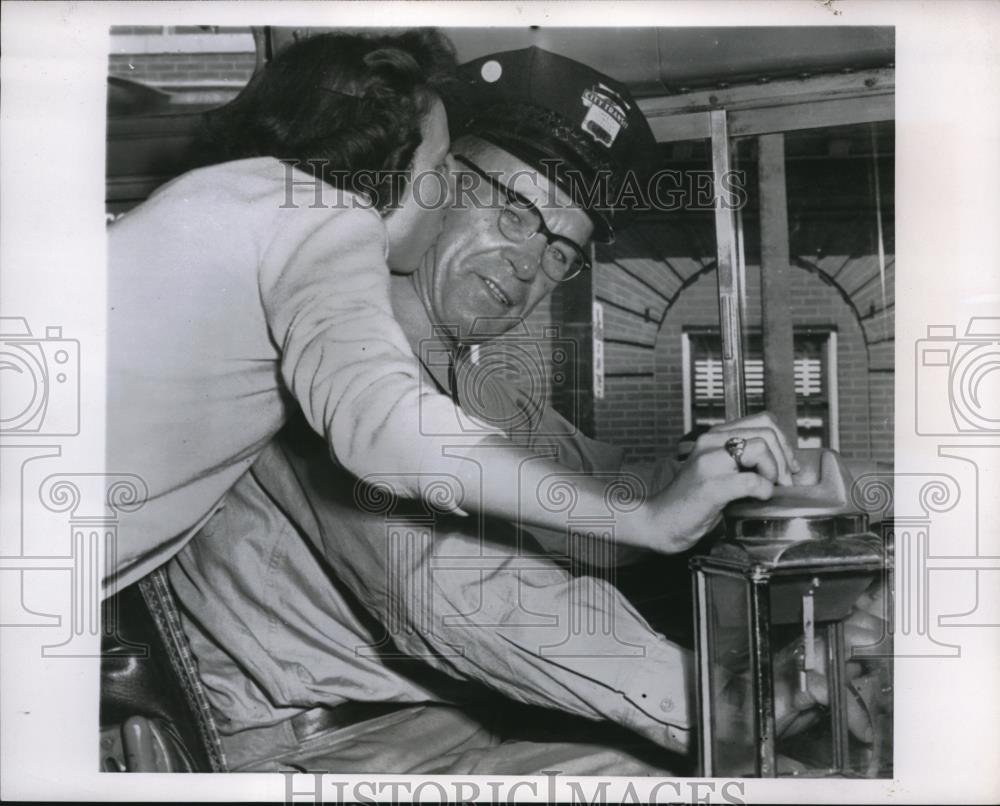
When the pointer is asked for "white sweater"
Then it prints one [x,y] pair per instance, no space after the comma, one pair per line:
[232,296]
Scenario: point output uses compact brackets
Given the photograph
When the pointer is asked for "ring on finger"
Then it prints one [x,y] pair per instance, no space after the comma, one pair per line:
[734,447]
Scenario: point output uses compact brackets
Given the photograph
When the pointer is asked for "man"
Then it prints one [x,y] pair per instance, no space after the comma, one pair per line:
[339,629]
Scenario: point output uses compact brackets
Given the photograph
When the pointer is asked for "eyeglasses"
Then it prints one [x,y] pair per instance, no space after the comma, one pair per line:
[520,220]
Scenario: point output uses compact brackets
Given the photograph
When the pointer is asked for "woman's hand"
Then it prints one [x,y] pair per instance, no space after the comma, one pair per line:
[710,478]
[795,707]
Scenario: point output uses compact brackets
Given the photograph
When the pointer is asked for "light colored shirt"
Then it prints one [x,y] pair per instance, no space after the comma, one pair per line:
[233,296]
[380,591]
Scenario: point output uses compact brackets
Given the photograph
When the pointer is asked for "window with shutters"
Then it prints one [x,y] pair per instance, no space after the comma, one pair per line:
[815,382]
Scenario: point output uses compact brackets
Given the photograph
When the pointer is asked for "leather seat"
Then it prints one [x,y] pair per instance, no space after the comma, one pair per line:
[154,714]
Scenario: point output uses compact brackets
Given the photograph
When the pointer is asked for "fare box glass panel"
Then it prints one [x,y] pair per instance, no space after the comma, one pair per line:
[785,687]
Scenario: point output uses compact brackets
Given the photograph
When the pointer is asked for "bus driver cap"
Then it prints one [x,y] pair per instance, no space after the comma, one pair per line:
[580,128]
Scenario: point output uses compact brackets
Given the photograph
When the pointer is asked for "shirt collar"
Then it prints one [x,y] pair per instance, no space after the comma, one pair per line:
[421,333]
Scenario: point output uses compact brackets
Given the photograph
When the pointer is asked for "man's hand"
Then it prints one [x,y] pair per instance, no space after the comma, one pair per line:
[775,457]
[710,478]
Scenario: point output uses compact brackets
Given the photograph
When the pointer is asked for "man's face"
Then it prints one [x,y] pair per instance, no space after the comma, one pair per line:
[474,272]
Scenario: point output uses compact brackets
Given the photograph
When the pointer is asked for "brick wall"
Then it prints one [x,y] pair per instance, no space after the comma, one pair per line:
[166,69]
[643,406]
[642,409]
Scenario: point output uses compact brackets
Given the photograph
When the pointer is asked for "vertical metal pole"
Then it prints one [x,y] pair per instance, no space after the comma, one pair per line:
[741,265]
[730,319]
[763,676]
[776,301]
[573,308]
[703,690]
[878,223]
[837,681]
[832,393]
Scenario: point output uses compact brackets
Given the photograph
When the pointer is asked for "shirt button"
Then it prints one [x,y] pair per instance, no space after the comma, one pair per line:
[666,705]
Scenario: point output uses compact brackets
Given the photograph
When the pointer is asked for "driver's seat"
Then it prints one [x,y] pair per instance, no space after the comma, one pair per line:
[155,716]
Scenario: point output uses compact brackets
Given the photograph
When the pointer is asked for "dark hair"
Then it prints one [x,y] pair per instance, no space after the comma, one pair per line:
[339,106]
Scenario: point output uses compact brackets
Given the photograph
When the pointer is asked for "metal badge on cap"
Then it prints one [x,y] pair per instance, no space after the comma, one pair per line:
[606,115]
